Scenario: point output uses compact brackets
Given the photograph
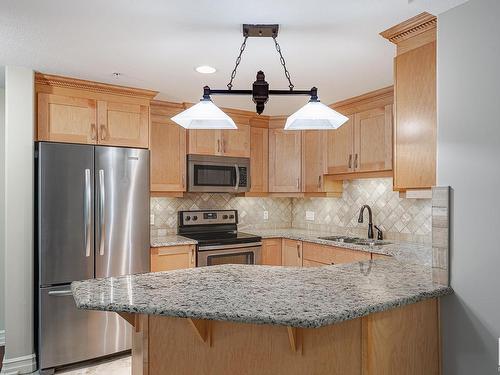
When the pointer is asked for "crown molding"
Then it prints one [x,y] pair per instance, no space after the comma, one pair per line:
[410,28]
[372,99]
[80,84]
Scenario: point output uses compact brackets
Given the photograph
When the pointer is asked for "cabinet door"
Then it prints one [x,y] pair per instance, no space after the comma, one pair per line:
[123,124]
[259,158]
[341,148]
[66,119]
[291,253]
[168,152]
[172,258]
[373,140]
[271,252]
[204,142]
[314,143]
[415,121]
[236,142]
[284,161]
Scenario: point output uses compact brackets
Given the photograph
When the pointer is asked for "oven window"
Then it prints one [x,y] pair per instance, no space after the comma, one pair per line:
[214,175]
[240,258]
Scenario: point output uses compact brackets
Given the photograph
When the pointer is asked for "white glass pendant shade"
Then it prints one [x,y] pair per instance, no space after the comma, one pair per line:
[315,116]
[204,115]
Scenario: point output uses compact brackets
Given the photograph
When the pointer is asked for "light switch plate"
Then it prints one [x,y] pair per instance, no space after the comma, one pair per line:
[266,215]
[152,219]
[310,215]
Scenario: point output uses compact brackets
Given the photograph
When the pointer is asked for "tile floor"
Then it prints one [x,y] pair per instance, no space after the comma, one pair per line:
[120,366]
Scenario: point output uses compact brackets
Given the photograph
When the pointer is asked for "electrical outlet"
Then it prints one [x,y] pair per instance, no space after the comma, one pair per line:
[152,219]
[266,215]
[310,215]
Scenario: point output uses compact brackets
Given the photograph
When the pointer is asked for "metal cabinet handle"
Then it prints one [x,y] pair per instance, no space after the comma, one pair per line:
[298,183]
[356,161]
[102,202]
[319,181]
[103,131]
[183,181]
[93,131]
[86,212]
[298,250]
[192,256]
[60,293]
[218,145]
[350,161]
[223,143]
[237,185]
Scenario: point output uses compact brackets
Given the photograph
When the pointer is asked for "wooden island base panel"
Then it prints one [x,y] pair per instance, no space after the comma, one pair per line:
[400,341]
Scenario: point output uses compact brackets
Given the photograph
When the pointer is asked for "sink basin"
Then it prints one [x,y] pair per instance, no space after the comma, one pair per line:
[356,240]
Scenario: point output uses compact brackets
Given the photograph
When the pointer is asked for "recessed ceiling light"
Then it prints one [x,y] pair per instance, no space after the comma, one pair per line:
[205,69]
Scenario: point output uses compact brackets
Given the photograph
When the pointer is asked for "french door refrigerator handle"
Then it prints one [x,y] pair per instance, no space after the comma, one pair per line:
[102,201]
[237,185]
[86,212]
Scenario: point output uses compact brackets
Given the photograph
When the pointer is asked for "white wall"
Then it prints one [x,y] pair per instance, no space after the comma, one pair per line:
[19,119]
[469,161]
[2,231]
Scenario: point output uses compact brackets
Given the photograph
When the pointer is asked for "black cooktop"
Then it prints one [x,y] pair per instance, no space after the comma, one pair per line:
[222,238]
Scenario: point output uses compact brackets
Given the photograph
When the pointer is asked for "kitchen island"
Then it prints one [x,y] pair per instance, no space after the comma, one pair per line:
[372,317]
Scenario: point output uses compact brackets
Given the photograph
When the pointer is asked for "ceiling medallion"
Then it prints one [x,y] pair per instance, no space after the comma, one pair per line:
[313,116]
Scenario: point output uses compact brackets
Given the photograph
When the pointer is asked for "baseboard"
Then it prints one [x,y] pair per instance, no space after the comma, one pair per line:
[19,365]
[2,337]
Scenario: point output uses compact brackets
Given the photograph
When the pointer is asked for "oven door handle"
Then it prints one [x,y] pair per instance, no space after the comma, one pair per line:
[227,247]
[237,177]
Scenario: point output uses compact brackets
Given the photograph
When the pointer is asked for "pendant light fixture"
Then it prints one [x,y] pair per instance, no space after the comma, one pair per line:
[313,116]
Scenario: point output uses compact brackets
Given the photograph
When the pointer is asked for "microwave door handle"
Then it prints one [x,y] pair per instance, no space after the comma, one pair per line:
[237,177]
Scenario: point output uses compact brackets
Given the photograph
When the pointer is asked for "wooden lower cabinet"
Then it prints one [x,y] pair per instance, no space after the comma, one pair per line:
[271,252]
[173,258]
[332,255]
[291,253]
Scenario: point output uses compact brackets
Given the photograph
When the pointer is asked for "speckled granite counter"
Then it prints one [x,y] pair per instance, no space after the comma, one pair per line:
[290,296]
[171,240]
[405,251]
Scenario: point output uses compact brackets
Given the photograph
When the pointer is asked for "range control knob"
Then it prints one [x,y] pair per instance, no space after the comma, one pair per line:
[231,216]
[195,218]
[188,218]
[224,217]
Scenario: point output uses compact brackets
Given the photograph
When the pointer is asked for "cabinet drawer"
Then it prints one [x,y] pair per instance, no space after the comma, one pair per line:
[331,254]
[172,258]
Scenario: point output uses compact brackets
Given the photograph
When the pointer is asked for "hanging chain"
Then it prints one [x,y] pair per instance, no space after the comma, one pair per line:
[238,60]
[282,60]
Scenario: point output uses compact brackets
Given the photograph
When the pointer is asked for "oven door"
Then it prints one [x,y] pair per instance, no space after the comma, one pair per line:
[249,253]
[216,174]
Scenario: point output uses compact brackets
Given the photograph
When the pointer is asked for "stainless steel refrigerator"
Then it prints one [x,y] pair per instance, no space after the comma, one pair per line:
[92,220]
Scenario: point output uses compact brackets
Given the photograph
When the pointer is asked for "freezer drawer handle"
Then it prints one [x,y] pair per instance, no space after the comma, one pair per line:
[102,201]
[86,212]
[60,293]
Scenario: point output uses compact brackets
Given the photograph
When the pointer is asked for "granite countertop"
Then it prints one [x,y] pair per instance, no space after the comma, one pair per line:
[405,251]
[289,296]
[171,240]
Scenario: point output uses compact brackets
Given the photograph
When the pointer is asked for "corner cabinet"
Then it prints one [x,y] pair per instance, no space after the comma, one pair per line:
[285,160]
[314,146]
[168,149]
[259,159]
[77,111]
[415,129]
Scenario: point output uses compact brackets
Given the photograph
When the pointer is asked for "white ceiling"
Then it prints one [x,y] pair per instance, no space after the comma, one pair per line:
[156,44]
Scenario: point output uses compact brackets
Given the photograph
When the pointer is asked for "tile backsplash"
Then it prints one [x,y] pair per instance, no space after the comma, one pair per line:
[400,219]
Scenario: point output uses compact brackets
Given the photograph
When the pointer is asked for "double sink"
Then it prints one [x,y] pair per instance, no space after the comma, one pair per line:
[356,240]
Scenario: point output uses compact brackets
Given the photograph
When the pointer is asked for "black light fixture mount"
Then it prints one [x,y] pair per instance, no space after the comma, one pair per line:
[260,89]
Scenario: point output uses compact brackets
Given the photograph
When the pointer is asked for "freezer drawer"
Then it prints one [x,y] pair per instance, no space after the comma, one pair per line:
[65,212]
[67,335]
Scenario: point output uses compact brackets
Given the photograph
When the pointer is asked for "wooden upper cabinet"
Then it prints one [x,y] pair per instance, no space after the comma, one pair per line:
[66,119]
[341,148]
[123,124]
[314,144]
[259,159]
[415,122]
[291,253]
[77,111]
[236,142]
[168,149]
[204,142]
[285,160]
[373,140]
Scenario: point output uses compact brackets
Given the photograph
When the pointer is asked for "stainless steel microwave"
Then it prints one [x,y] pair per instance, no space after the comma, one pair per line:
[218,174]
